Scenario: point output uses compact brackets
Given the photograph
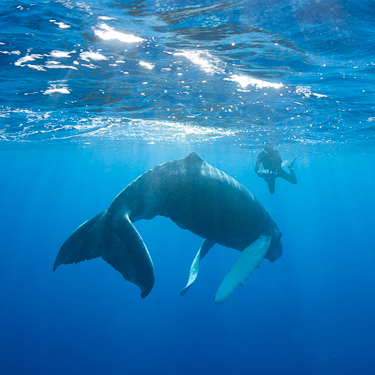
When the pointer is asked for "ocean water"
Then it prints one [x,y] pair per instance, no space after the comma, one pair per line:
[95,93]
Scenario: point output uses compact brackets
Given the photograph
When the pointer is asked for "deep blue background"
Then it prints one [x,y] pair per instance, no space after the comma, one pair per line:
[75,130]
[310,312]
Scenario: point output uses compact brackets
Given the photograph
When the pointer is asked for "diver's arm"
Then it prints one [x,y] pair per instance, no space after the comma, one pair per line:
[257,166]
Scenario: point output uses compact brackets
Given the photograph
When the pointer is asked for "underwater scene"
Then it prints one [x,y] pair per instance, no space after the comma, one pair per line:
[187,187]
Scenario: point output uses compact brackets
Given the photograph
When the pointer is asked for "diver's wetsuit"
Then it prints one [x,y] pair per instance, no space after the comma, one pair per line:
[271,160]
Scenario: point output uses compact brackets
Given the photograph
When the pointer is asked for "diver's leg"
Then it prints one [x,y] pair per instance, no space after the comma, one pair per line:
[271,185]
[290,177]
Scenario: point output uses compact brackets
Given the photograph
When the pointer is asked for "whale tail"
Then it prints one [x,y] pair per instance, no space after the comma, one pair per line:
[115,239]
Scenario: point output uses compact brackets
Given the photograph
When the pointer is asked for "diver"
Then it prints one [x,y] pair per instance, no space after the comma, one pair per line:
[273,167]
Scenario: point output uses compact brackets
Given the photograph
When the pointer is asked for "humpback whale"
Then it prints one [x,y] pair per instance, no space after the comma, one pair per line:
[197,197]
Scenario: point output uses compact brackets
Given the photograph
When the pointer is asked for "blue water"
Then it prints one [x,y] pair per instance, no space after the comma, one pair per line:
[94,93]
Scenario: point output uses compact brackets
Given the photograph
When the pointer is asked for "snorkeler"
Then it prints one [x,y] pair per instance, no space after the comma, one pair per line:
[273,167]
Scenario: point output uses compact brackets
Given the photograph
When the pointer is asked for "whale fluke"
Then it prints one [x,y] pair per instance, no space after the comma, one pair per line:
[84,243]
[115,239]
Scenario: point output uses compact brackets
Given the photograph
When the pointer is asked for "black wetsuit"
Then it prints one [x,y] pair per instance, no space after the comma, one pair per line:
[271,160]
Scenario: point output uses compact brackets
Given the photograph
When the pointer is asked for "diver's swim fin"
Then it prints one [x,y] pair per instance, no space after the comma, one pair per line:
[290,166]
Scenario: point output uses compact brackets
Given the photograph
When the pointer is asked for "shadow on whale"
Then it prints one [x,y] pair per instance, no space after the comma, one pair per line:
[197,197]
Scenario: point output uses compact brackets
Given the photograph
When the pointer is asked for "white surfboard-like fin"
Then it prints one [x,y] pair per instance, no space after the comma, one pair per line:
[241,269]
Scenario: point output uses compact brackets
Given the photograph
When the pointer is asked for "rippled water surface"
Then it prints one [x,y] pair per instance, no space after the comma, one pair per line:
[243,72]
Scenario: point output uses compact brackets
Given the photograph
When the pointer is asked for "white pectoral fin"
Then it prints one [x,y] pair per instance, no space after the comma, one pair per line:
[241,269]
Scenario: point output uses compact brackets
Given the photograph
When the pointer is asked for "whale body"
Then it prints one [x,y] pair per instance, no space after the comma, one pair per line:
[197,197]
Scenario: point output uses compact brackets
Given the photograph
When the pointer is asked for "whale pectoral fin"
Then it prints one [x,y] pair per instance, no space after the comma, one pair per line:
[194,269]
[126,252]
[241,269]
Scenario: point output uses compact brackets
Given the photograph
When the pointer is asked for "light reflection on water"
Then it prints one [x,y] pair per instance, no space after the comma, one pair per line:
[220,70]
